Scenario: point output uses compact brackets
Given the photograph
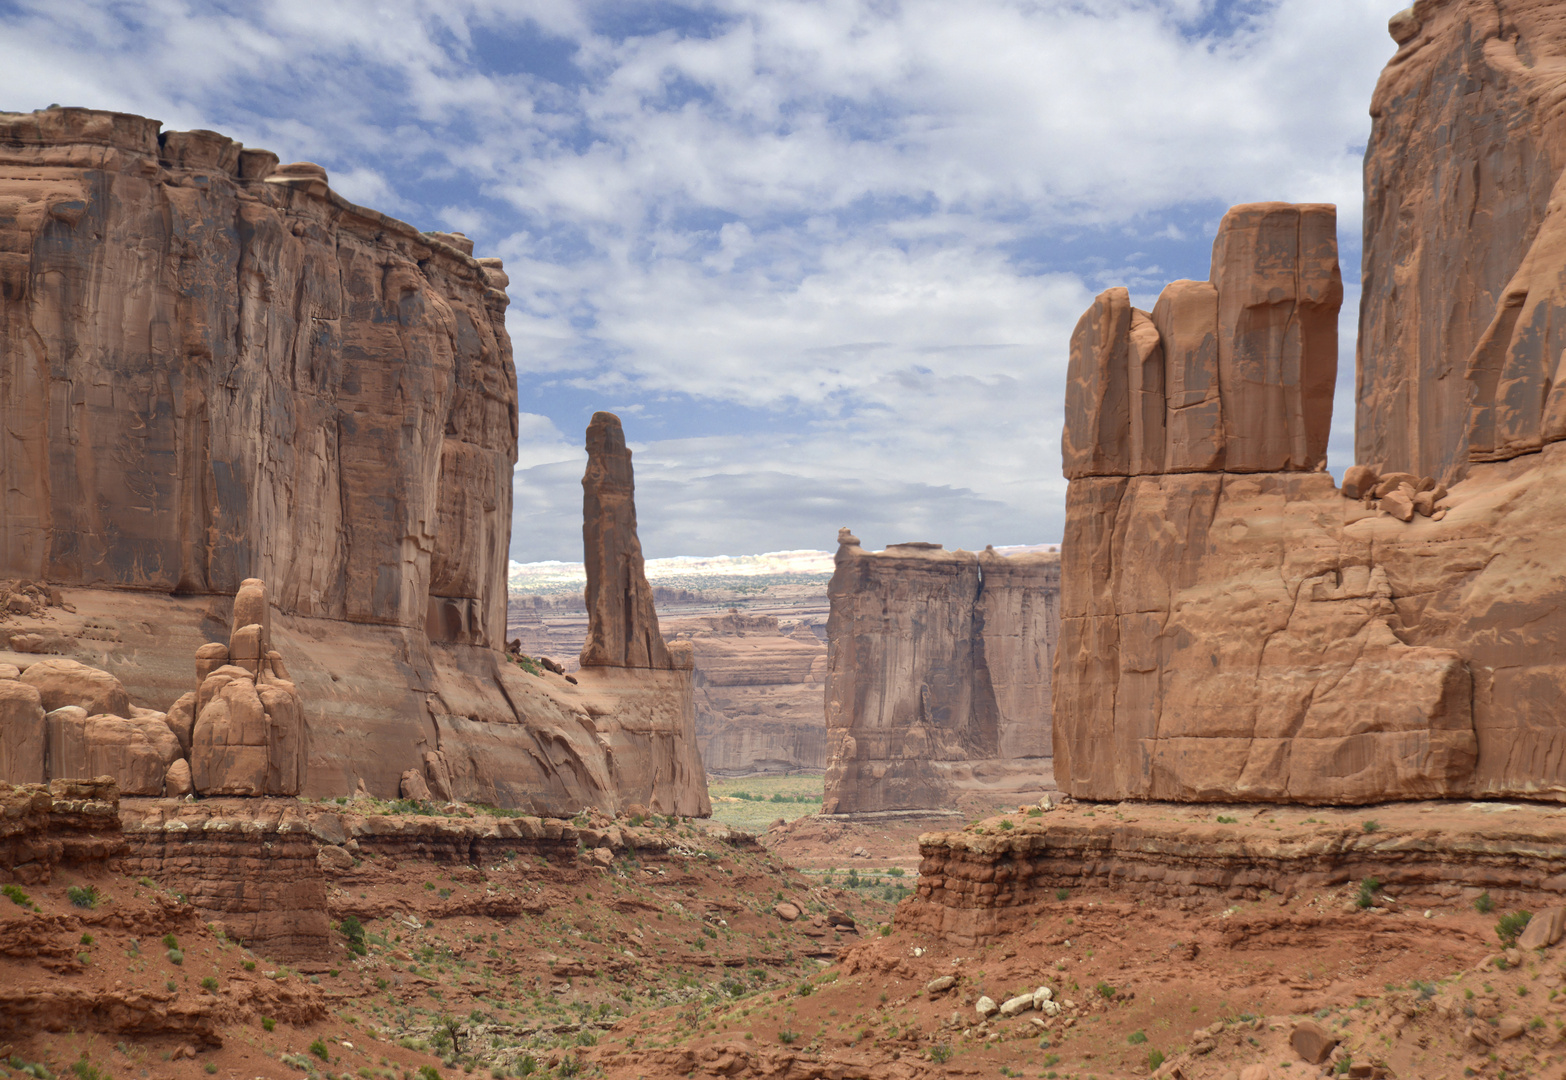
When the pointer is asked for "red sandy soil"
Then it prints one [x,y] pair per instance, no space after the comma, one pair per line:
[535,961]
[678,966]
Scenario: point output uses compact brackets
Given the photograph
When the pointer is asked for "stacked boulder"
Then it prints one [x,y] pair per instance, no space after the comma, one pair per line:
[61,719]
[243,727]
[1400,494]
[241,732]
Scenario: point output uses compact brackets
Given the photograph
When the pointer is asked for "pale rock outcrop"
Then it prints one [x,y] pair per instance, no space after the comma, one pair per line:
[23,733]
[413,787]
[937,675]
[137,752]
[69,682]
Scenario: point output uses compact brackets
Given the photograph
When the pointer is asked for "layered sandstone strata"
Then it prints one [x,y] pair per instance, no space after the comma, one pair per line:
[937,676]
[214,368]
[985,882]
[758,693]
[1459,341]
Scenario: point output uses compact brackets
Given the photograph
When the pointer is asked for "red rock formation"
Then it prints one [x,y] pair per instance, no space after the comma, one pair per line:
[622,625]
[217,369]
[1467,147]
[1230,636]
[937,676]
[1142,391]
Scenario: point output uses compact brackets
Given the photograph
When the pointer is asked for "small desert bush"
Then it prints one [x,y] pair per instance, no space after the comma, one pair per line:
[1509,926]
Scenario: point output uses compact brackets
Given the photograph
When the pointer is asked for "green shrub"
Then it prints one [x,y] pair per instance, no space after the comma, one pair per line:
[1062,894]
[1370,826]
[87,939]
[267,1023]
[941,1053]
[1367,892]
[170,941]
[353,930]
[17,896]
[209,984]
[787,1037]
[1105,990]
[250,965]
[1484,905]
[1155,1058]
[85,1070]
[176,957]
[318,1048]
[1222,820]
[82,896]
[210,1067]
[1511,925]
[1136,1038]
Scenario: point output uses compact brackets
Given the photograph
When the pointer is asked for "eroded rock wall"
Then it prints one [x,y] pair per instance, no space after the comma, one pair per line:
[937,676]
[215,369]
[212,369]
[1463,239]
[1266,636]
[758,694]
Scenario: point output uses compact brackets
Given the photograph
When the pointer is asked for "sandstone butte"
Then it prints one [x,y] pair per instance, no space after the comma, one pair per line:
[1236,627]
[938,676]
[217,370]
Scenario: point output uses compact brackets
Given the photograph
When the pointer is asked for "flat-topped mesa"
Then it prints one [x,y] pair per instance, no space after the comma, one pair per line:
[937,677]
[1232,374]
[622,626]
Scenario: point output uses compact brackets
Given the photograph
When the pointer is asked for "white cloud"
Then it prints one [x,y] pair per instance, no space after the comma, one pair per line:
[788,245]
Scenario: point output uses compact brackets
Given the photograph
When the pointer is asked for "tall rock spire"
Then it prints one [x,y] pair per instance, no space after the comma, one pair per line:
[622,625]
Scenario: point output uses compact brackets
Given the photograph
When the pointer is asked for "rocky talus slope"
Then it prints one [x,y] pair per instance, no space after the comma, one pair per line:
[219,370]
[938,676]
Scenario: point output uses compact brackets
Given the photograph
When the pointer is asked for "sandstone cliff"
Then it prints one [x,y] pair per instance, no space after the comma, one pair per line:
[758,694]
[214,368]
[1262,635]
[937,676]
[1459,346]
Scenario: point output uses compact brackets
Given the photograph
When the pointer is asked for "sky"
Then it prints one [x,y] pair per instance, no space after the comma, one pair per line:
[823,257]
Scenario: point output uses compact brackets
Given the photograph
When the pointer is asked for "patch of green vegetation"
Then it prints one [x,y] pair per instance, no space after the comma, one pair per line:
[18,897]
[1367,892]
[753,803]
[82,896]
[1509,926]
[1483,904]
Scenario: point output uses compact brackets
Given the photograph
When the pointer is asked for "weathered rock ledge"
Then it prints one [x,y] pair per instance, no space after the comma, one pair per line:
[976,885]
